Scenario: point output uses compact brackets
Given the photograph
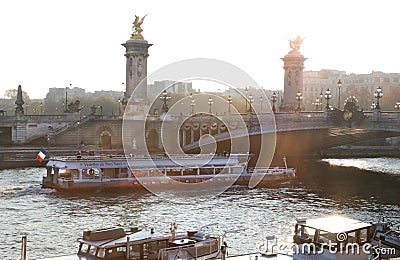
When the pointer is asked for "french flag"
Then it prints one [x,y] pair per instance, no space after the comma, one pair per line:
[41,155]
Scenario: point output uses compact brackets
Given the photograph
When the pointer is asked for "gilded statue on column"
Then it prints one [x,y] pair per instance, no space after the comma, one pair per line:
[295,44]
[137,29]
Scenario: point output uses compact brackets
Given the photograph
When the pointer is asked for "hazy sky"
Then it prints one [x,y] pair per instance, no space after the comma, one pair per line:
[54,43]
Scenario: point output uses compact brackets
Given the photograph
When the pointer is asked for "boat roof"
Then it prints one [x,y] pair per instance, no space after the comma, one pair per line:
[138,237]
[141,161]
[334,224]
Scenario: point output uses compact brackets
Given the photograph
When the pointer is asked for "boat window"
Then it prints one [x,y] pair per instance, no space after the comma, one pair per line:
[152,247]
[305,233]
[326,237]
[71,173]
[121,249]
[92,250]
[363,236]
[162,244]
[116,253]
[84,248]
[101,252]
[135,248]
[351,237]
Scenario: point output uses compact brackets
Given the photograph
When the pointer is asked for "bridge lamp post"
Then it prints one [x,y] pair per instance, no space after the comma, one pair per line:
[210,103]
[229,104]
[339,84]
[119,106]
[328,95]
[378,95]
[246,91]
[317,104]
[192,104]
[321,98]
[251,101]
[261,104]
[274,98]
[165,98]
[397,106]
[373,106]
[298,98]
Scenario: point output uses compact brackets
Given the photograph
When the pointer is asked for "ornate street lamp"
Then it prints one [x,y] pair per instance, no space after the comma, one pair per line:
[397,105]
[246,91]
[192,104]
[93,109]
[321,98]
[328,95]
[261,103]
[339,84]
[378,95]
[317,104]
[373,106]
[298,98]
[119,106]
[229,104]
[210,103]
[274,98]
[165,98]
[251,100]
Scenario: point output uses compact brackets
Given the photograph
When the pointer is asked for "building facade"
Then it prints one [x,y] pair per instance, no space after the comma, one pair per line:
[362,86]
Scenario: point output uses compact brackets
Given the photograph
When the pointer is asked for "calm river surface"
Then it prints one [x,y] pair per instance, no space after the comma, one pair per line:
[54,220]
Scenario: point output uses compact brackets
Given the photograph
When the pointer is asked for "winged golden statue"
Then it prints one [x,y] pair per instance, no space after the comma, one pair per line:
[295,44]
[137,29]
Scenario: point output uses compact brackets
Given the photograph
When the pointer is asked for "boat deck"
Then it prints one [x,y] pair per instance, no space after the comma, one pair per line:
[258,256]
[67,257]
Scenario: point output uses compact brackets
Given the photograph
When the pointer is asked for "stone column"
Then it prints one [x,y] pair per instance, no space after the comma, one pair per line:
[136,68]
[293,81]
[183,137]
[191,135]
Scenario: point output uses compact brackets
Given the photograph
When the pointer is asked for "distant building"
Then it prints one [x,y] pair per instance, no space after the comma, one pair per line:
[317,82]
[76,93]
[173,87]
[108,93]
[59,93]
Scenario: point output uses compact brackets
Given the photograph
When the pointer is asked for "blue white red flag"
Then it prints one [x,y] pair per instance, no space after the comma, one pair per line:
[41,155]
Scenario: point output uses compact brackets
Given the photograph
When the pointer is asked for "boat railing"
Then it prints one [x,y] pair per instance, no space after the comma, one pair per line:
[77,179]
[193,251]
[103,157]
[268,170]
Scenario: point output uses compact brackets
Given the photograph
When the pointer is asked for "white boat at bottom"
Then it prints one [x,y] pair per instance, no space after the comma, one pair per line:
[116,244]
[328,238]
[386,238]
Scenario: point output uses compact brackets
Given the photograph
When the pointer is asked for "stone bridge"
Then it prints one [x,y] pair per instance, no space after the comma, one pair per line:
[296,133]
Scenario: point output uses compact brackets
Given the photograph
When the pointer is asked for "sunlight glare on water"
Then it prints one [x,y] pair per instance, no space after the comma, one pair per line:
[384,165]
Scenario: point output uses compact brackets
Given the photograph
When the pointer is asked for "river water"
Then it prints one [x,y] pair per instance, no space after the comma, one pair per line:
[357,188]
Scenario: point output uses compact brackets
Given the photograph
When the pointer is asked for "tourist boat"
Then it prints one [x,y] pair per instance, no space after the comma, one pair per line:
[332,237]
[326,238]
[116,243]
[94,172]
[386,238]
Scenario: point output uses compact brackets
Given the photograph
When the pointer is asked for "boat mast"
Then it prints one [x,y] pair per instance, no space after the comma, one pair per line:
[284,160]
